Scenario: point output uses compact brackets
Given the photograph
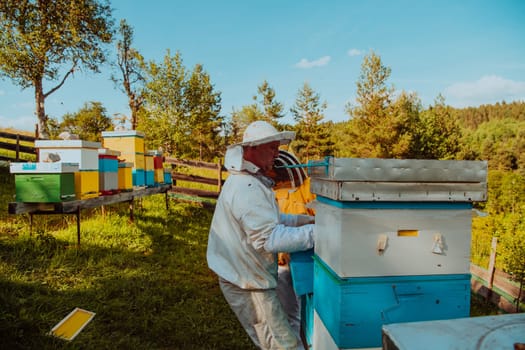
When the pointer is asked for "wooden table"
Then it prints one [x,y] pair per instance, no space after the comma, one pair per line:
[75,206]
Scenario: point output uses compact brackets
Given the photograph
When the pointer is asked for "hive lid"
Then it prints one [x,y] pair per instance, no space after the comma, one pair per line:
[123,133]
[108,152]
[372,179]
[66,144]
[401,170]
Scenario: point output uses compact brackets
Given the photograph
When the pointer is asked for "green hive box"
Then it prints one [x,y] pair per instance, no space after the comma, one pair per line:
[45,188]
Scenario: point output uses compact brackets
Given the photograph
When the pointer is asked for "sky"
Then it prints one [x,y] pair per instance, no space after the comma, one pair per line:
[472,52]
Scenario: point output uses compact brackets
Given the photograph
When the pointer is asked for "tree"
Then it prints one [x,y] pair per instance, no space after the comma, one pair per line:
[312,137]
[437,134]
[181,110]
[203,106]
[88,123]
[39,37]
[272,110]
[240,119]
[131,64]
[163,115]
[370,131]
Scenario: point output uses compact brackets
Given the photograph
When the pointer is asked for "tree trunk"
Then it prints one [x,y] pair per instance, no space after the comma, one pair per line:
[40,110]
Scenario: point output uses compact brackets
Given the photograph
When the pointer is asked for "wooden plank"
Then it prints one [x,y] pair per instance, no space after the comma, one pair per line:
[194,178]
[13,147]
[71,207]
[195,192]
[190,163]
[501,282]
[9,135]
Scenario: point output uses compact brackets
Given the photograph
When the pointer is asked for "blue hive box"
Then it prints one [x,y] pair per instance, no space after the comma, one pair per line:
[302,270]
[354,309]
[139,179]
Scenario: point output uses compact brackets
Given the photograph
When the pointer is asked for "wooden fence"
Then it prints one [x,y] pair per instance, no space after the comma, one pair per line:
[14,144]
[216,181]
[495,285]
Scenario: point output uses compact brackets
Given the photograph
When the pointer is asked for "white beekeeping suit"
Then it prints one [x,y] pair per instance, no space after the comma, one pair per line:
[246,233]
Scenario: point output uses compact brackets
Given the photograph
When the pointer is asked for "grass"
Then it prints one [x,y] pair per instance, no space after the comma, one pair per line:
[147,281]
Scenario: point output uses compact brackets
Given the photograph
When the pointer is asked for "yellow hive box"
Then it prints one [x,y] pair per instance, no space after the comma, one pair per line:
[131,141]
[148,161]
[86,184]
[137,159]
[159,176]
[125,177]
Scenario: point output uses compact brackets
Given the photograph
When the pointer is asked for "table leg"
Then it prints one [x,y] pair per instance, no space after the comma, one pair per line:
[131,217]
[78,227]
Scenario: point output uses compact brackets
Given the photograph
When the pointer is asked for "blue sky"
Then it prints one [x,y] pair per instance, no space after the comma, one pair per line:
[471,52]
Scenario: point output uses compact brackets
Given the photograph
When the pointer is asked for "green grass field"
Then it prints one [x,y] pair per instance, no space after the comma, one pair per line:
[147,281]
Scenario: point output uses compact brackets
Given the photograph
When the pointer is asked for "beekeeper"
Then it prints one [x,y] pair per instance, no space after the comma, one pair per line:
[247,232]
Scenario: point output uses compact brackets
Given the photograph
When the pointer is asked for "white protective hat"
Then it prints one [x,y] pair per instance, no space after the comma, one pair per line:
[257,133]
[261,132]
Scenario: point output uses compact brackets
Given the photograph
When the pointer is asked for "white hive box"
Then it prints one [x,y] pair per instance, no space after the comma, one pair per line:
[386,217]
[85,153]
[393,240]
[43,168]
[474,333]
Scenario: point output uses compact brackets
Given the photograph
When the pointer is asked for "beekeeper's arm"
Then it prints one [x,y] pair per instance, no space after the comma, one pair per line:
[260,221]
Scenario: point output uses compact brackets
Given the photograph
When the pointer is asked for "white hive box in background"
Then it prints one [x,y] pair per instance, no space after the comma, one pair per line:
[85,153]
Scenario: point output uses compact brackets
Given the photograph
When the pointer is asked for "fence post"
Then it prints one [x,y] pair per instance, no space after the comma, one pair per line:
[37,135]
[219,180]
[17,147]
[492,266]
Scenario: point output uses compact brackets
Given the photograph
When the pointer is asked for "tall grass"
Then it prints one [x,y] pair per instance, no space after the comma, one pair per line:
[147,281]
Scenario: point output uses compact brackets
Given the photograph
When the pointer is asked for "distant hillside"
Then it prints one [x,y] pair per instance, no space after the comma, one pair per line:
[472,117]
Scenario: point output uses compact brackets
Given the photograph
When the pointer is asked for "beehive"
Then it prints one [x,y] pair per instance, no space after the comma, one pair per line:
[44,182]
[392,243]
[85,153]
[354,309]
[167,176]
[149,169]
[129,141]
[87,184]
[125,179]
[108,170]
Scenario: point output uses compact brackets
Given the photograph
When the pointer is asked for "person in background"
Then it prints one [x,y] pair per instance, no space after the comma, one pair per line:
[247,232]
[293,195]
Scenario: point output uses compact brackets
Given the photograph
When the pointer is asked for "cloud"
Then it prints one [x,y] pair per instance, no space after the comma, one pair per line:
[354,52]
[2,92]
[488,89]
[305,64]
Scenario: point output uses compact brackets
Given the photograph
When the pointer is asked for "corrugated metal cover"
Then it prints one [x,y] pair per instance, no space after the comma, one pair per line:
[371,179]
